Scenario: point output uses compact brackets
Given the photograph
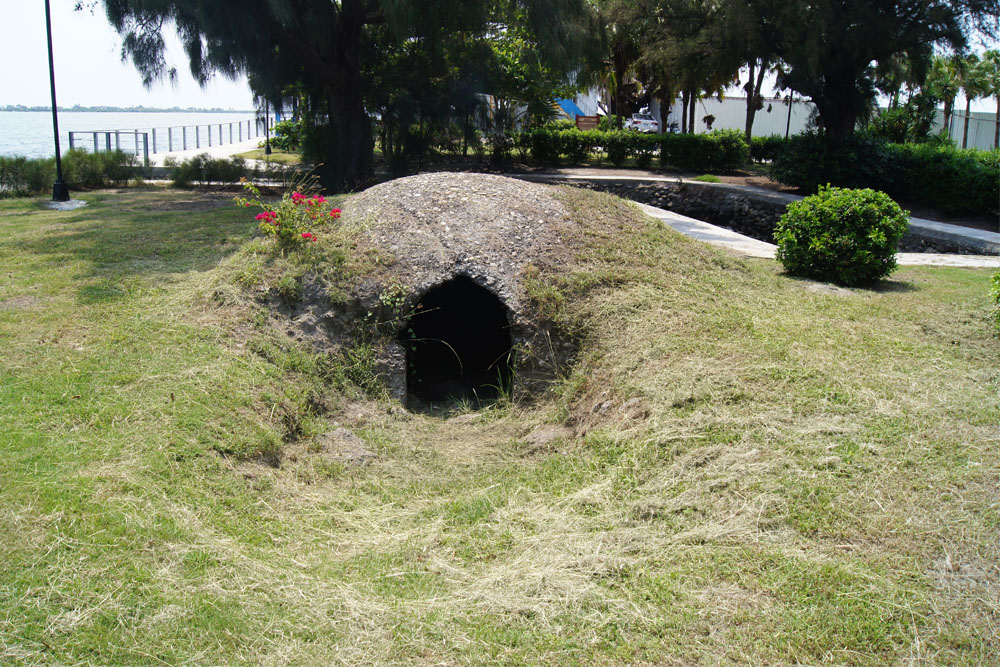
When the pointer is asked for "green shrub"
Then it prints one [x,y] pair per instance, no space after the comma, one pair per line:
[952,180]
[955,181]
[287,135]
[576,145]
[608,123]
[812,159]
[718,151]
[544,146]
[848,237]
[645,147]
[766,149]
[21,177]
[203,169]
[94,170]
[618,146]
[560,124]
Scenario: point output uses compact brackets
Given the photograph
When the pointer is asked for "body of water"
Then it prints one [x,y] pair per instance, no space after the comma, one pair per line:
[29,133]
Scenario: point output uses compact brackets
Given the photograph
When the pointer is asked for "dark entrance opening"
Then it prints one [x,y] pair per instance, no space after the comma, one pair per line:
[458,344]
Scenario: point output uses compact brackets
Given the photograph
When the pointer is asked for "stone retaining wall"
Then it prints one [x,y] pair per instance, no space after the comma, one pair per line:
[749,211]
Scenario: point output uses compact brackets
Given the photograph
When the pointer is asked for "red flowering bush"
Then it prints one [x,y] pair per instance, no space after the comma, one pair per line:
[292,220]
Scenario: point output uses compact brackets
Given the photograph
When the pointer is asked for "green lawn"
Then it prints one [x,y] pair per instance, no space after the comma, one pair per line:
[814,480]
[277,156]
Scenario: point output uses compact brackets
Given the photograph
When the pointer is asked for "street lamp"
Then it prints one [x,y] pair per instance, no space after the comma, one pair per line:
[267,129]
[60,191]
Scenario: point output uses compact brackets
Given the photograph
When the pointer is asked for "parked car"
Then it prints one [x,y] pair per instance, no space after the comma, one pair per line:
[642,122]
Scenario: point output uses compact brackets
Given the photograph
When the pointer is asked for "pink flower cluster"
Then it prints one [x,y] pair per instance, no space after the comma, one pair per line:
[268,216]
[335,213]
[299,198]
[308,236]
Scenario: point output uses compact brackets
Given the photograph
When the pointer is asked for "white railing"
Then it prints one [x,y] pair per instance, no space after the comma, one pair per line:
[169,139]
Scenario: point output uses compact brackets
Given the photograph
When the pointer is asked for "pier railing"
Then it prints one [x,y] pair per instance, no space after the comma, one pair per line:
[149,141]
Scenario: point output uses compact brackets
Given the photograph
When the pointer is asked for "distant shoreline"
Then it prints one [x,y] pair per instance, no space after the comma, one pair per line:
[138,109]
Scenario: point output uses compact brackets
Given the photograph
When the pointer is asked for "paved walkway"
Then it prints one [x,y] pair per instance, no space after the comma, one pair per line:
[744,245]
[216,151]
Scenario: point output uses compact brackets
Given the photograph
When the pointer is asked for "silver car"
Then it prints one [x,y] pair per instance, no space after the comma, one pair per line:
[642,122]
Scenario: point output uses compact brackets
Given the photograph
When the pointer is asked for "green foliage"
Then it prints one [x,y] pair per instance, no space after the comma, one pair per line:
[707,178]
[766,149]
[608,123]
[908,123]
[956,181]
[844,236]
[203,169]
[812,159]
[719,151]
[293,220]
[834,71]
[618,145]
[20,177]
[288,135]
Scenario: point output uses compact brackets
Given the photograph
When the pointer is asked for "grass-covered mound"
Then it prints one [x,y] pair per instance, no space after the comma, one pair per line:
[805,474]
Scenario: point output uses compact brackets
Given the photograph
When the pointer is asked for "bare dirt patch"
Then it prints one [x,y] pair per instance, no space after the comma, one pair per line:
[20,303]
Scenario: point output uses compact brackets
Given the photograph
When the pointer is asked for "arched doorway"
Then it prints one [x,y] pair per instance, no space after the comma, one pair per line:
[458,344]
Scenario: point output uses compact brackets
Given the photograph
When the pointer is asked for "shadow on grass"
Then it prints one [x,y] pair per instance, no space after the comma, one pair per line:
[138,238]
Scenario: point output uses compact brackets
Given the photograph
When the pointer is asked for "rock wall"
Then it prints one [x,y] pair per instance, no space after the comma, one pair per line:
[751,211]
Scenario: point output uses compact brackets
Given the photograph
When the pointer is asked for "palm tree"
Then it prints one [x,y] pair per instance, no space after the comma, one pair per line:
[974,85]
[991,74]
[943,83]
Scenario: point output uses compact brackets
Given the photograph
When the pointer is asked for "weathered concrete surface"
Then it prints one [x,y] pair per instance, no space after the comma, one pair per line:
[427,230]
[70,205]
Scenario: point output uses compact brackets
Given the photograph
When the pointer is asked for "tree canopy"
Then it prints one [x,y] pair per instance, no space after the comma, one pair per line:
[336,50]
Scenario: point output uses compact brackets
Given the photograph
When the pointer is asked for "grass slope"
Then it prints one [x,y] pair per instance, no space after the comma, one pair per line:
[812,477]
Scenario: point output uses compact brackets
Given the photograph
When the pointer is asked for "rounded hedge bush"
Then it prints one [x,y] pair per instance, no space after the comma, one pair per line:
[848,237]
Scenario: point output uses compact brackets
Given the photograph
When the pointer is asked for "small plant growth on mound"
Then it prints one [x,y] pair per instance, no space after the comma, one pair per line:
[995,296]
[291,221]
[848,237]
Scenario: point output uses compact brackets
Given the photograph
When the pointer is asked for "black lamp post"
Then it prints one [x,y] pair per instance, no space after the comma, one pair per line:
[60,191]
[267,128]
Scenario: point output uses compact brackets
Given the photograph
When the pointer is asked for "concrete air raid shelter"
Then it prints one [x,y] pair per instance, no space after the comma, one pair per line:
[449,254]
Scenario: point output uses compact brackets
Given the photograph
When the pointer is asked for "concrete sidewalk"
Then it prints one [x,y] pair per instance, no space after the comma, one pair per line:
[744,245]
[215,151]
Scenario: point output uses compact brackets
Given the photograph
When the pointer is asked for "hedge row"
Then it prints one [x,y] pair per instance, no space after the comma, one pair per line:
[955,181]
[722,150]
[21,177]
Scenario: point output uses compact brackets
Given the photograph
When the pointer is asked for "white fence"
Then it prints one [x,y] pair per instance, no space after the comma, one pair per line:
[730,113]
[169,139]
[982,127]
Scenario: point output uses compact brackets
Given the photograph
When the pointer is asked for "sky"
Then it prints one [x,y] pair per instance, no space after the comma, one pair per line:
[88,66]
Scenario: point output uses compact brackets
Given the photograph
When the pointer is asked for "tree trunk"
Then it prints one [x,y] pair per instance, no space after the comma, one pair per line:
[965,126]
[619,85]
[684,111]
[692,96]
[753,96]
[946,120]
[996,131]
